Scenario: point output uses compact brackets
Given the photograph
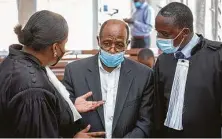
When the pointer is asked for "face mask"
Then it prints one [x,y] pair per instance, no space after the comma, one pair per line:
[137,4]
[167,46]
[59,57]
[111,60]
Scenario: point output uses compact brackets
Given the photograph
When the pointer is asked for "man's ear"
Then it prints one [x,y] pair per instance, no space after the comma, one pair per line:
[186,32]
[98,40]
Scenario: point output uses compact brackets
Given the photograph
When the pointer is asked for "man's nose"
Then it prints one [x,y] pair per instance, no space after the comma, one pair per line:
[112,49]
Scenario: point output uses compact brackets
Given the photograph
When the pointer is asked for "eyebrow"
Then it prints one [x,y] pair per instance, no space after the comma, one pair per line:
[110,39]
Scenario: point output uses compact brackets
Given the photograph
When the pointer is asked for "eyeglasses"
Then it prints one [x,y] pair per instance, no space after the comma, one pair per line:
[118,46]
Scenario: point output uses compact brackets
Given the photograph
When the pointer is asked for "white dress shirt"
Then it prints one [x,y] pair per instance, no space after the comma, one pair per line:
[109,87]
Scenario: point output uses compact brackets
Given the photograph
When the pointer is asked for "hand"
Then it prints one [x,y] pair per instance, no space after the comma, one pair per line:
[82,105]
[84,133]
[128,20]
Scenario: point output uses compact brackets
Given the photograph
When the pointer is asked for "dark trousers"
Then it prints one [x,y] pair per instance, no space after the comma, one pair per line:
[140,42]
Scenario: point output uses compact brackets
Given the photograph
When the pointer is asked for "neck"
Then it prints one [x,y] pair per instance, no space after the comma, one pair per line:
[108,69]
[36,54]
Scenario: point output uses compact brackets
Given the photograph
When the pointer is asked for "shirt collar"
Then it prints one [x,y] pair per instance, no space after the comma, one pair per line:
[188,48]
[144,5]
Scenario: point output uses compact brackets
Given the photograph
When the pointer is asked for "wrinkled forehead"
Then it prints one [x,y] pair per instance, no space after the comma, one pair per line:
[114,31]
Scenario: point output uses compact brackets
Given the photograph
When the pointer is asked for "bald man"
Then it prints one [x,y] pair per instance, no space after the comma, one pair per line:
[125,86]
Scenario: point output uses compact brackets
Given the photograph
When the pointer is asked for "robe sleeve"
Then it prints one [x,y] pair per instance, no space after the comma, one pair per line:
[33,114]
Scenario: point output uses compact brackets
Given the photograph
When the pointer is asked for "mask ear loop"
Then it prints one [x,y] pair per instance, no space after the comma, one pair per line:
[182,39]
[179,33]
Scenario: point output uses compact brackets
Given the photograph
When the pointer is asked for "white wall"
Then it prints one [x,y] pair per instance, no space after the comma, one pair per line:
[123,6]
[79,15]
[208,19]
[81,18]
[25,9]
[9,18]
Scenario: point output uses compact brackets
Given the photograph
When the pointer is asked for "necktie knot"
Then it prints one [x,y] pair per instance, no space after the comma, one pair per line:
[179,55]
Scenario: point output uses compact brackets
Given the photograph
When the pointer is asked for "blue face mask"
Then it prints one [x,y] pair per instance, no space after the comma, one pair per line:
[167,45]
[111,60]
[137,4]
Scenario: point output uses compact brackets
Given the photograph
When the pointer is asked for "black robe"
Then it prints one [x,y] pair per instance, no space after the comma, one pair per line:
[30,106]
[202,100]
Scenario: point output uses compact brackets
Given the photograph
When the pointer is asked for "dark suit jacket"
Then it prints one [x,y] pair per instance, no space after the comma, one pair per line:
[134,104]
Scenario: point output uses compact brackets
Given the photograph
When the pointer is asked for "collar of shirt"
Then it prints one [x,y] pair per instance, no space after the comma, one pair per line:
[188,48]
[144,5]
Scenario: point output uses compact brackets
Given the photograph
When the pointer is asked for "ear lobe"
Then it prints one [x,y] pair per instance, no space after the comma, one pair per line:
[186,32]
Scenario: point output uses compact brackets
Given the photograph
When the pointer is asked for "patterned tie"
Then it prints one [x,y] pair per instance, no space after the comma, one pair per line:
[179,55]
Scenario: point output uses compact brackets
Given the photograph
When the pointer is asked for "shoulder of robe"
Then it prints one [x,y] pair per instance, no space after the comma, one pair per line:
[213,45]
[30,75]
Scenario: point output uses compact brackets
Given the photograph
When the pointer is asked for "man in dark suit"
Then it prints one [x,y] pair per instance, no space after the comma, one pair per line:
[125,85]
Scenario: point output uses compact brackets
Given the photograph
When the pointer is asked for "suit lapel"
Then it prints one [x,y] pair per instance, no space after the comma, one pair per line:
[125,82]
[93,80]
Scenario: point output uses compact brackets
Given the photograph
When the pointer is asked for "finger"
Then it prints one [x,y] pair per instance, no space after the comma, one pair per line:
[87,95]
[96,104]
[86,129]
[101,102]
[96,134]
[89,104]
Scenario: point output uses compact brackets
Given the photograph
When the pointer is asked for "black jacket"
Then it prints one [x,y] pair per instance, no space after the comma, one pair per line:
[30,106]
[203,94]
[134,101]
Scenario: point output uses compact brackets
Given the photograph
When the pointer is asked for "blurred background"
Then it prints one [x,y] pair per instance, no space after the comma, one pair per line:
[85,18]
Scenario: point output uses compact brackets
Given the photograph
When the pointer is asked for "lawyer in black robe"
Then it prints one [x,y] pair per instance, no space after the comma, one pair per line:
[30,105]
[201,115]
[203,93]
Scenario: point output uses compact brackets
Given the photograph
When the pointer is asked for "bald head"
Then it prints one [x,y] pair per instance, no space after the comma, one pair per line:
[113,36]
[114,25]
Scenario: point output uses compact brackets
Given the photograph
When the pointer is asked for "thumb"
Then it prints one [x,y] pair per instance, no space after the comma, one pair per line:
[87,95]
[85,130]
